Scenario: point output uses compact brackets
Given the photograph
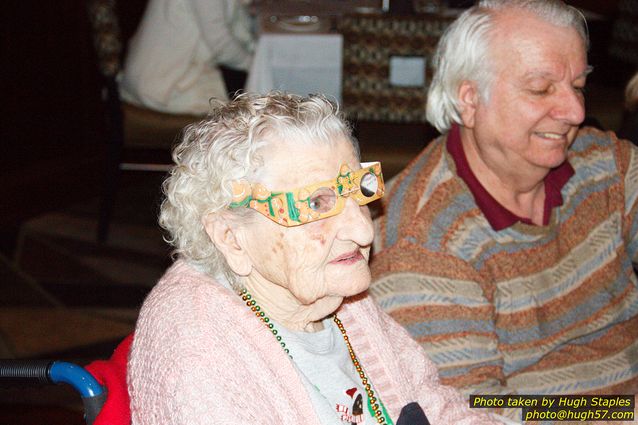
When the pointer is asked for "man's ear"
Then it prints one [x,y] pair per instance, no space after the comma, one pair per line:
[224,236]
[468,96]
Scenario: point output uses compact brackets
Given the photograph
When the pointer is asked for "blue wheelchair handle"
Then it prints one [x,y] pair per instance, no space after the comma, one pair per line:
[77,377]
[20,372]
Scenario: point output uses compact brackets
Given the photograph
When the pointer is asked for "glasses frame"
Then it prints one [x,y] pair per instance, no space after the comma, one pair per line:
[292,208]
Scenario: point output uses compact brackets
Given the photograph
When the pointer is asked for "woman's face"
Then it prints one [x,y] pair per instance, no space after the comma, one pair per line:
[319,262]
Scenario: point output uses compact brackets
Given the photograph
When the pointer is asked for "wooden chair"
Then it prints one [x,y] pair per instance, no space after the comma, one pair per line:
[135,135]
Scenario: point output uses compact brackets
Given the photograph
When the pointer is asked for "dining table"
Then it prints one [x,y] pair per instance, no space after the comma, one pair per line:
[298,46]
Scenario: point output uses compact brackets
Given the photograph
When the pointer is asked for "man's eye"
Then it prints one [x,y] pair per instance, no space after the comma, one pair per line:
[580,89]
[539,92]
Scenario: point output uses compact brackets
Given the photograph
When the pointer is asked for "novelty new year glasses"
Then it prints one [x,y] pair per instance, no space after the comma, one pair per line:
[314,202]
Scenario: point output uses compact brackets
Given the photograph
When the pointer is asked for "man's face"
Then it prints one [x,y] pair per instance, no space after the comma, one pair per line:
[536,100]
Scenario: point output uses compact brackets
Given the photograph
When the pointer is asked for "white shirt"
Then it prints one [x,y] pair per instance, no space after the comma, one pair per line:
[171,63]
[329,375]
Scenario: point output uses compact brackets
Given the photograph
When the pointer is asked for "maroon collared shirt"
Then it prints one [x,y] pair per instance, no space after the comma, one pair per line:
[496,214]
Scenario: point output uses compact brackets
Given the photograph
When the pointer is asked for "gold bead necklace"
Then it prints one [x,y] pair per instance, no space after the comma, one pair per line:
[252,304]
[375,404]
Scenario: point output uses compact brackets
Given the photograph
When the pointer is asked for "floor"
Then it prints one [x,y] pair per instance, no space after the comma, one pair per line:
[66,297]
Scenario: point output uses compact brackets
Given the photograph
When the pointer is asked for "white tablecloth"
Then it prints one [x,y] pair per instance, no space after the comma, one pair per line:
[298,63]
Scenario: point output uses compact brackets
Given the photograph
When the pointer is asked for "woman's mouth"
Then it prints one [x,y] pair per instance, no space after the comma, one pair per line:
[348,258]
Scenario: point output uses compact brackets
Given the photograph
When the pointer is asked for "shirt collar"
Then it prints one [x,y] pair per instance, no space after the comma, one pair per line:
[497,215]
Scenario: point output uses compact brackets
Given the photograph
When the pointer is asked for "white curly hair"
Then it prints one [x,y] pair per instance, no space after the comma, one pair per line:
[463,50]
[225,147]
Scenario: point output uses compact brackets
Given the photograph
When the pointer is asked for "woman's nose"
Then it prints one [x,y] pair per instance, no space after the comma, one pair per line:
[356,223]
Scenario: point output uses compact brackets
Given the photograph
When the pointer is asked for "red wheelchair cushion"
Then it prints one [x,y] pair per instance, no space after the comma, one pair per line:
[112,375]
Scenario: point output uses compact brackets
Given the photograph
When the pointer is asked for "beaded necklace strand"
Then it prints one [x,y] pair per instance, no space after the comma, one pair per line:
[252,304]
[375,404]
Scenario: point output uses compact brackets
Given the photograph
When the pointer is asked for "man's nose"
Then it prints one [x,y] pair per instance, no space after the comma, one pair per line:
[570,107]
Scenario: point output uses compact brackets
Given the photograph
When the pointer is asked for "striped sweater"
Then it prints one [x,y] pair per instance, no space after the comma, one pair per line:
[527,309]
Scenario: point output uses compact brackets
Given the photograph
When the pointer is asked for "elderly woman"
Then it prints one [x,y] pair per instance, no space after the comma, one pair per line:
[263,318]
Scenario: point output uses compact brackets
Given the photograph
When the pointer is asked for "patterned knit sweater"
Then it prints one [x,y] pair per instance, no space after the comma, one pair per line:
[527,309]
[200,356]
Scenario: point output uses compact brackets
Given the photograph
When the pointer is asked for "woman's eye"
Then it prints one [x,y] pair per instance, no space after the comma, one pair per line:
[322,200]
[319,203]
[316,204]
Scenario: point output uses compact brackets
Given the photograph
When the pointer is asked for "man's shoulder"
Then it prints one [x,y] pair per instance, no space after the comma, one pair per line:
[588,137]
[600,151]
[591,139]
[418,171]
[434,150]
[424,201]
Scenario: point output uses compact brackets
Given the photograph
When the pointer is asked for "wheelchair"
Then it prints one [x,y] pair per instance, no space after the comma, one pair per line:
[101,384]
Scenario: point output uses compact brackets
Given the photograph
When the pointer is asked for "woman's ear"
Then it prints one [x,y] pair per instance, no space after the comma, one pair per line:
[224,236]
[468,96]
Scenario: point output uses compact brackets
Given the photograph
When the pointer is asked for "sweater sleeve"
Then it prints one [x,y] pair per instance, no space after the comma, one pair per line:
[440,298]
[441,403]
[400,370]
[172,376]
[200,357]
[445,305]
[627,160]
[225,28]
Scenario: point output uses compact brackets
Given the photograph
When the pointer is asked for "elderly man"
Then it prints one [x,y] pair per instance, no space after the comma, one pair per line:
[506,247]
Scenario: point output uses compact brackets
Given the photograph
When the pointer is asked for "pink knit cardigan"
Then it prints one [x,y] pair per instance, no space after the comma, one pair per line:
[200,356]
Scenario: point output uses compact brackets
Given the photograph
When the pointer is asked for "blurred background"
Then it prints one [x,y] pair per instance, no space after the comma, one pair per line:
[69,294]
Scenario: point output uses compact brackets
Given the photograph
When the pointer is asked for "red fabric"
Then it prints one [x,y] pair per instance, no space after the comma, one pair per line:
[112,374]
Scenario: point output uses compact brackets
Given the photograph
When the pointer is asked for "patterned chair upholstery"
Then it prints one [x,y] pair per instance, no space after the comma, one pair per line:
[371,44]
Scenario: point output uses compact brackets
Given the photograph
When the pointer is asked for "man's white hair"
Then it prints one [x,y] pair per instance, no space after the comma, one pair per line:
[225,147]
[463,51]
